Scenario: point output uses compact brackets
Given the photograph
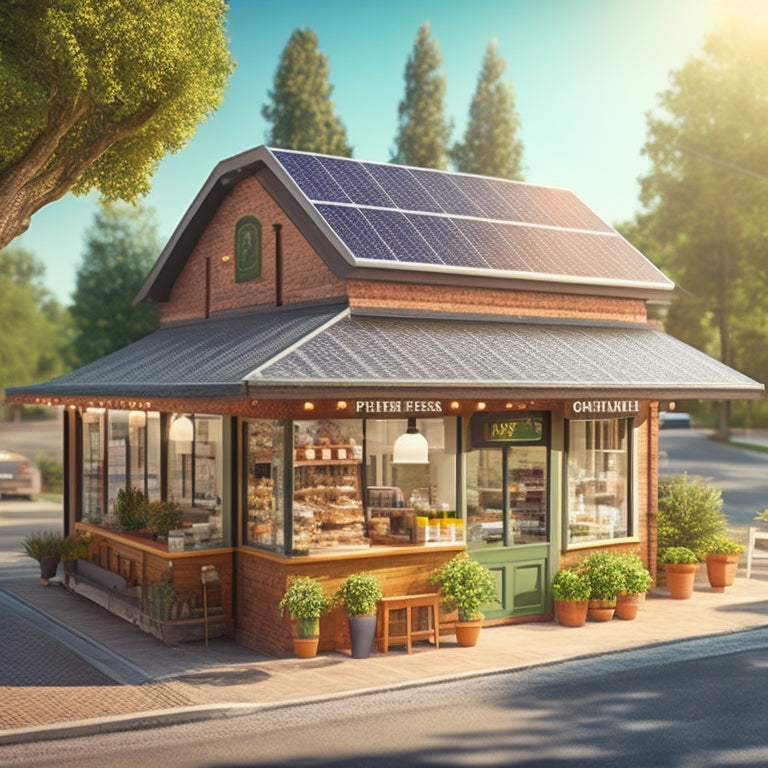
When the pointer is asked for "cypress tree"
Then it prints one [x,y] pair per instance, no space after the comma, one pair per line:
[491,146]
[301,110]
[423,131]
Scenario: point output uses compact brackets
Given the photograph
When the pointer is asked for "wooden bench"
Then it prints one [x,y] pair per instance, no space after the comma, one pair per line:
[430,601]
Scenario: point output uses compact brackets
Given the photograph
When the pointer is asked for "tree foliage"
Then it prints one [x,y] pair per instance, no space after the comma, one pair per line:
[121,248]
[95,92]
[301,111]
[36,328]
[491,146]
[423,131]
[706,196]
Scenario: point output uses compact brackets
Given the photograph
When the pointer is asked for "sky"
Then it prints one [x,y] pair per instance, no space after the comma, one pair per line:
[585,73]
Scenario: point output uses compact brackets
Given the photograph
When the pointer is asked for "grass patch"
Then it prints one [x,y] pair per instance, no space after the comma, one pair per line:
[749,446]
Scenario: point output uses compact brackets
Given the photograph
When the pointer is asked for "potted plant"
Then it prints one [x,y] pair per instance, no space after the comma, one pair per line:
[45,547]
[131,509]
[305,602]
[73,548]
[164,516]
[690,514]
[606,579]
[570,590]
[465,586]
[359,595]
[722,562]
[637,581]
[680,564]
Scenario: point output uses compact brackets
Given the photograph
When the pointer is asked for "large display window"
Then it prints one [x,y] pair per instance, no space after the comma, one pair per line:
[123,450]
[351,490]
[598,480]
[265,484]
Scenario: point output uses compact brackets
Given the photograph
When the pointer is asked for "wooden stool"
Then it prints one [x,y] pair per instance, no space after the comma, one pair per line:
[430,601]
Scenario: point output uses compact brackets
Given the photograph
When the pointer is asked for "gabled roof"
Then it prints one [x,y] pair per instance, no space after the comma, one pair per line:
[332,349]
[378,221]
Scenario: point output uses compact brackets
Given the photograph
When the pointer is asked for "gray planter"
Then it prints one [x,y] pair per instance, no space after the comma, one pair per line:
[362,633]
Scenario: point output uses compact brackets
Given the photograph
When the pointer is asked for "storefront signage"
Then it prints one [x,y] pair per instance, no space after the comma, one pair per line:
[492,429]
[596,409]
[398,406]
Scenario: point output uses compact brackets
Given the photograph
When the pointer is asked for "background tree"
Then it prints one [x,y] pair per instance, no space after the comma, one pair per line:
[423,131]
[301,110]
[121,248]
[36,328]
[491,146]
[706,197]
[94,94]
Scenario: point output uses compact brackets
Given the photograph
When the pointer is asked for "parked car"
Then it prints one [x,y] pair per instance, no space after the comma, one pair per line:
[19,476]
[669,420]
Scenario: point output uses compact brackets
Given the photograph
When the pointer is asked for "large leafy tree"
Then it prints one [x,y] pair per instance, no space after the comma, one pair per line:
[95,92]
[423,131]
[36,328]
[706,197]
[301,111]
[121,247]
[491,146]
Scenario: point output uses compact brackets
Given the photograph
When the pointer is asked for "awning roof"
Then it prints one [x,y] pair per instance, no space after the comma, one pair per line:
[332,348]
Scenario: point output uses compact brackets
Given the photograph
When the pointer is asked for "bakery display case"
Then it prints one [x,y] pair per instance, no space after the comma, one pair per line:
[327,500]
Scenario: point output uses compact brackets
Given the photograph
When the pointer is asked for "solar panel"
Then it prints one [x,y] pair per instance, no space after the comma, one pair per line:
[399,215]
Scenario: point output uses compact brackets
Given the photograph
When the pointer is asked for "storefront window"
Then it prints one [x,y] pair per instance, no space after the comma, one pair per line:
[264,441]
[196,475]
[92,509]
[327,482]
[598,480]
[411,503]
[349,494]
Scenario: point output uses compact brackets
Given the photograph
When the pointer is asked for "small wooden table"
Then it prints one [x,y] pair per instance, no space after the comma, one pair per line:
[430,601]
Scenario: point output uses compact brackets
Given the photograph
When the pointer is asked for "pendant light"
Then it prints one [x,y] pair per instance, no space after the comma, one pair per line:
[182,430]
[411,447]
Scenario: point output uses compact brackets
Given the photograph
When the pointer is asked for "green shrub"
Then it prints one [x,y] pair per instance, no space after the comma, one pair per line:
[43,544]
[605,575]
[722,545]
[571,585]
[165,516]
[465,585]
[678,556]
[637,579]
[305,602]
[690,514]
[131,509]
[359,594]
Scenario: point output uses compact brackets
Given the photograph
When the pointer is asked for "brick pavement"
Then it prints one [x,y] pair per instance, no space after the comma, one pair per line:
[55,680]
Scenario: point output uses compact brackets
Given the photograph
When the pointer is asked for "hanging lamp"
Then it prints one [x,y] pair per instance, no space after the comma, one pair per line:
[411,447]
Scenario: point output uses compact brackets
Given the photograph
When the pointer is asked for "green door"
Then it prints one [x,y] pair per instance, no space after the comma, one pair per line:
[508,518]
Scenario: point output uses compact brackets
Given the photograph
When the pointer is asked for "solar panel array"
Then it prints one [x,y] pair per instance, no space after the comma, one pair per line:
[394,214]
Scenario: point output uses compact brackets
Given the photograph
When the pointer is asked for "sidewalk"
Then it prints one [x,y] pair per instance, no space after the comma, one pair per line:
[131,679]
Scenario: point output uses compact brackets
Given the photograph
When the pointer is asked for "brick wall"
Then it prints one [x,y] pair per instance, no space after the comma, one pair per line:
[262,580]
[306,278]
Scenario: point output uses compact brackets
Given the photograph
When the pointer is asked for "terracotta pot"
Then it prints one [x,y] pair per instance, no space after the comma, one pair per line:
[680,578]
[721,570]
[627,606]
[467,632]
[601,610]
[305,647]
[571,613]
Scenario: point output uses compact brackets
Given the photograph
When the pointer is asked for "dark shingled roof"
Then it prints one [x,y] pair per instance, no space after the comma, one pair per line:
[332,346]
